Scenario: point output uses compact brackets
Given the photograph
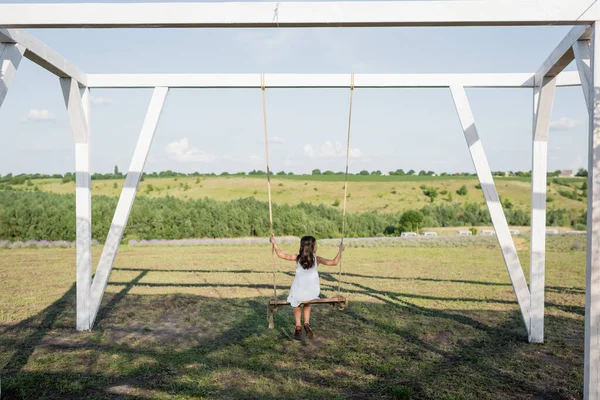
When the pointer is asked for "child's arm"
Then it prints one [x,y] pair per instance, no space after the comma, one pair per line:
[281,254]
[335,261]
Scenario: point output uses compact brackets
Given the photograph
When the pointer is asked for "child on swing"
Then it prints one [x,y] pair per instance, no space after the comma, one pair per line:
[306,285]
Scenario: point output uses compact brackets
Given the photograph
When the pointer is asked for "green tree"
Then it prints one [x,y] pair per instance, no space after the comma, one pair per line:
[582,172]
[411,221]
[316,172]
[364,172]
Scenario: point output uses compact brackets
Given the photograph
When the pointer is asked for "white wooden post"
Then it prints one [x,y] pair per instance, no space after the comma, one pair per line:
[78,110]
[507,246]
[581,49]
[125,203]
[592,288]
[543,101]
[10,58]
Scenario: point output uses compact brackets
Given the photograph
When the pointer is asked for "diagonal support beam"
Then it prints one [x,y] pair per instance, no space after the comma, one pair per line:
[507,246]
[45,57]
[126,199]
[581,49]
[562,54]
[543,100]
[78,109]
[591,389]
[10,58]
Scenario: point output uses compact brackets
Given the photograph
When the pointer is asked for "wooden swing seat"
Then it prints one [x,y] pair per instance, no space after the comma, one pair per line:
[340,301]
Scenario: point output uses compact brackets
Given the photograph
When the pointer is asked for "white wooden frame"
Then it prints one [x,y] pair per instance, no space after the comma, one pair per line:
[581,44]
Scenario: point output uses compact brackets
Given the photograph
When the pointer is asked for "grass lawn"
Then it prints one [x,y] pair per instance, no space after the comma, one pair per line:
[190,323]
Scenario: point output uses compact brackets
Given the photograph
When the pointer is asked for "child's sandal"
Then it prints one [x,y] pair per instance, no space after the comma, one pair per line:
[309,331]
[298,333]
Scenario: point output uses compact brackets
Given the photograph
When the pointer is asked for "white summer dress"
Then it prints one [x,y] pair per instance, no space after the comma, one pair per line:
[306,285]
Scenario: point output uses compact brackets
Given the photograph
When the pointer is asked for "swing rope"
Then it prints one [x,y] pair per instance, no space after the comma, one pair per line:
[346,182]
[264,101]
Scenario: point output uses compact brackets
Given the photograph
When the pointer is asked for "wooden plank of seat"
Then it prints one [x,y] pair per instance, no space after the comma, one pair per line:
[330,300]
[341,301]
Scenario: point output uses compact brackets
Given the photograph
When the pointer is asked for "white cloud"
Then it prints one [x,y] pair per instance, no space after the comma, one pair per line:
[181,151]
[564,124]
[39,115]
[330,149]
[276,139]
[101,101]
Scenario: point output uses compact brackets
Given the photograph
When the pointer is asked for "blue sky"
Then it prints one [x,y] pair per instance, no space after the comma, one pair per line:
[221,130]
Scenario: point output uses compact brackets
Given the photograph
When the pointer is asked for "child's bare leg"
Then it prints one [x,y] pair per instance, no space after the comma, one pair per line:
[307,313]
[297,314]
[307,328]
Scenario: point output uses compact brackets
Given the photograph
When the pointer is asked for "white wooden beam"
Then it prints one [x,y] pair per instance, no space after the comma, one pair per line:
[78,110]
[507,246]
[300,14]
[274,81]
[42,55]
[592,290]
[10,58]
[126,199]
[75,109]
[544,99]
[562,54]
[581,49]
[568,78]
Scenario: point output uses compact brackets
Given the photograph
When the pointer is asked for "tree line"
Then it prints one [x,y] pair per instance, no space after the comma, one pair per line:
[46,216]
[70,176]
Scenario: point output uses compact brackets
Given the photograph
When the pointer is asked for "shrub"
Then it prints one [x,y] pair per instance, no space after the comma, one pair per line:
[431,192]
[462,191]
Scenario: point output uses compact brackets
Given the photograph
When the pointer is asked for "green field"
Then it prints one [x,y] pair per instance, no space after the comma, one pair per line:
[367,193]
[190,323]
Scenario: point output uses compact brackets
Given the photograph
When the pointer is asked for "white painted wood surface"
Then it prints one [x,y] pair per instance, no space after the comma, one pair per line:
[562,54]
[544,100]
[10,58]
[581,49]
[274,81]
[39,53]
[507,246]
[126,199]
[300,14]
[78,110]
[592,288]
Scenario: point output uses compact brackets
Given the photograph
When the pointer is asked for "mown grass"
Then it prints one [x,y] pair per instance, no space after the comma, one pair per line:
[367,193]
[190,323]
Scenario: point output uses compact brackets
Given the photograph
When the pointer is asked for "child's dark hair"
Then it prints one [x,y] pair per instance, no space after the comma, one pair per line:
[306,254]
